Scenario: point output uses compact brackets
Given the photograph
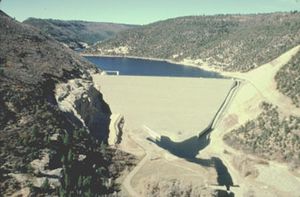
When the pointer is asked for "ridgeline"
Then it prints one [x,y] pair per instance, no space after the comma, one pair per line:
[76,33]
[230,42]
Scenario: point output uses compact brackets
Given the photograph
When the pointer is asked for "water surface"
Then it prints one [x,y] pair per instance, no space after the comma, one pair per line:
[142,67]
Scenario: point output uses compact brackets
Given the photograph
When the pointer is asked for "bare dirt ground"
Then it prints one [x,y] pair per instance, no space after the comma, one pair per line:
[157,164]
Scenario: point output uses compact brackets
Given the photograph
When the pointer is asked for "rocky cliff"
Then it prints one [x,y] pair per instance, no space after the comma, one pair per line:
[83,102]
[33,125]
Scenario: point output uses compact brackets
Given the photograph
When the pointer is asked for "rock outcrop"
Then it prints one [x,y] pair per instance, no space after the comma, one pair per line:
[81,101]
[116,129]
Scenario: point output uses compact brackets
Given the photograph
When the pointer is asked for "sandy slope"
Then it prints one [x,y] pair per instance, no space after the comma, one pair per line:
[274,179]
[262,78]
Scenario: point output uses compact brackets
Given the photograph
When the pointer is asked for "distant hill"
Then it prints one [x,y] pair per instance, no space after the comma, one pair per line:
[74,32]
[232,42]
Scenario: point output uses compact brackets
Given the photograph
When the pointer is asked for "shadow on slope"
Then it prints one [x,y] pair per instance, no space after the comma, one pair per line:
[189,149]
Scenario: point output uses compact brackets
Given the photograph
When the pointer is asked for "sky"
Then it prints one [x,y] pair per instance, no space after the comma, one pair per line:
[137,11]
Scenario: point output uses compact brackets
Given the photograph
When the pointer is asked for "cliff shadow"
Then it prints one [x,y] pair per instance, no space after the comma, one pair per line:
[187,149]
[224,177]
[190,148]
[222,193]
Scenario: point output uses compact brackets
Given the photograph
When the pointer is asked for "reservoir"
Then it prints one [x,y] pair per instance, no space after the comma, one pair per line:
[142,67]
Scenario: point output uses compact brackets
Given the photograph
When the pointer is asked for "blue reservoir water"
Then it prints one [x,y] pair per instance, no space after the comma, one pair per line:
[141,67]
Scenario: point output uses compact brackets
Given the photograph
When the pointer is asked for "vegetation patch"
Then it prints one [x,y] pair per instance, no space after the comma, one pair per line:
[288,79]
[271,135]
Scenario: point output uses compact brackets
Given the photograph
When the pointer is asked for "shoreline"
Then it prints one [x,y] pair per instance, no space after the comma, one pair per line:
[204,65]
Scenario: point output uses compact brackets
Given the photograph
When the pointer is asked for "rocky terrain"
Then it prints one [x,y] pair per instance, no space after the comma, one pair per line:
[175,187]
[76,34]
[230,42]
[43,144]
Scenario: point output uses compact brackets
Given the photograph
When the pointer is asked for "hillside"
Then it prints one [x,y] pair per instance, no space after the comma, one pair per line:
[288,79]
[272,135]
[74,32]
[232,42]
[268,122]
[42,146]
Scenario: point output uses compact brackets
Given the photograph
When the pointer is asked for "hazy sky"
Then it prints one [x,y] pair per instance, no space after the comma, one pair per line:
[137,11]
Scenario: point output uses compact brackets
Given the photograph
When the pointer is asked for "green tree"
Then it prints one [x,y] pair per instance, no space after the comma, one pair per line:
[46,185]
[80,182]
[63,160]
[62,192]
[87,186]
[66,139]
[103,148]
[87,181]
[35,132]
[70,156]
[67,181]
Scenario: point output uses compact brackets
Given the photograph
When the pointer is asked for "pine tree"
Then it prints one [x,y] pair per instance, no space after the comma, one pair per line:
[66,139]
[67,181]
[70,156]
[62,192]
[80,182]
[103,148]
[46,185]
[35,132]
[63,160]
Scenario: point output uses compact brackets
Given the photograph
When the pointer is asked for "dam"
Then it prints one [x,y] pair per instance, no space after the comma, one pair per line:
[177,107]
